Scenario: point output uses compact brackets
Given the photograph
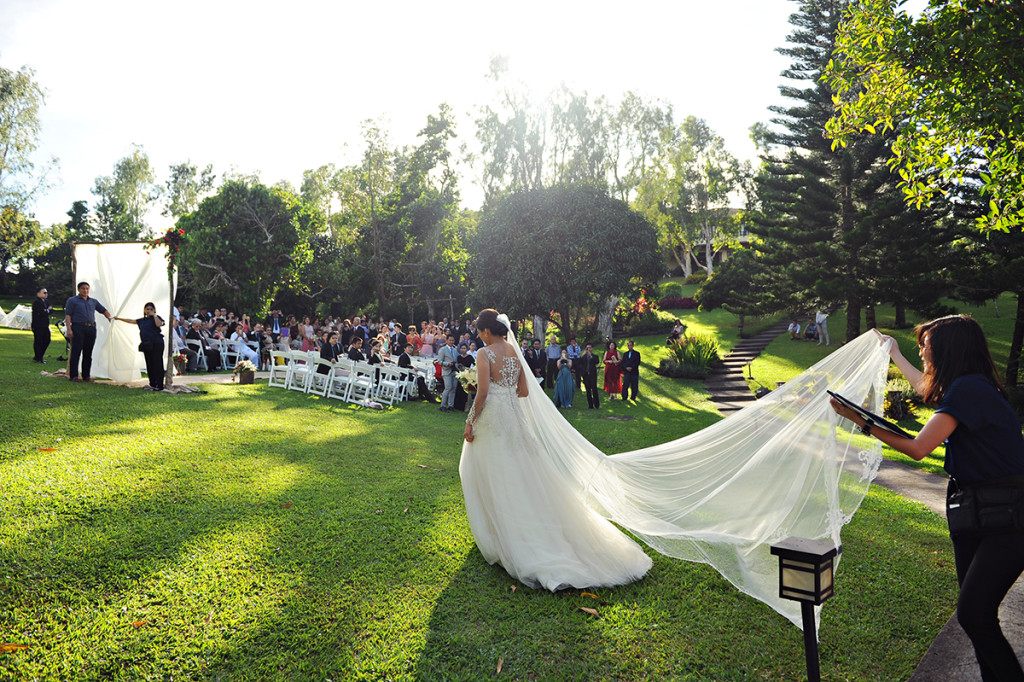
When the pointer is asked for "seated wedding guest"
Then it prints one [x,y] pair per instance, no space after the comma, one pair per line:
[355,351]
[677,331]
[212,354]
[405,362]
[237,340]
[794,330]
[374,357]
[178,345]
[330,351]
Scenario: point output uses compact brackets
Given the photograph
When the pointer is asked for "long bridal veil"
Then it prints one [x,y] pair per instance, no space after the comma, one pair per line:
[725,494]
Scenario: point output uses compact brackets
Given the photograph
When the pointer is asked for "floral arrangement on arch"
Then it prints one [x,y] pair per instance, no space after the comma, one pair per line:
[173,239]
[467,377]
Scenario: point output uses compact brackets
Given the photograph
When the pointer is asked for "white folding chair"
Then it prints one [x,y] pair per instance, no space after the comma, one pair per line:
[341,379]
[300,369]
[279,372]
[389,384]
[197,346]
[320,382]
[361,384]
[228,354]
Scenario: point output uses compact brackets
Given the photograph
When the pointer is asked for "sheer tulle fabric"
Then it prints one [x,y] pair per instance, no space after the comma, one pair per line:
[724,494]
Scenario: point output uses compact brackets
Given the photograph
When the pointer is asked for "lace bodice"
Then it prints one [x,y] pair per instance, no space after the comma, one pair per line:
[505,373]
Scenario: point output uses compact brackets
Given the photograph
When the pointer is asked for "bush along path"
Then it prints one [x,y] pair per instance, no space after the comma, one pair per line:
[726,383]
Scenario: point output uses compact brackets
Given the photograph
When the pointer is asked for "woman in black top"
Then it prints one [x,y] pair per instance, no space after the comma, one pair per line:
[464,361]
[985,461]
[152,345]
[41,310]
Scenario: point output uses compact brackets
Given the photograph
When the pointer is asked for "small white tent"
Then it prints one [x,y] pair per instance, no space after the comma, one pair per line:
[19,318]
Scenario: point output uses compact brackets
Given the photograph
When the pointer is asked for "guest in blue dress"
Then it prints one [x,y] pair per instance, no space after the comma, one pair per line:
[565,386]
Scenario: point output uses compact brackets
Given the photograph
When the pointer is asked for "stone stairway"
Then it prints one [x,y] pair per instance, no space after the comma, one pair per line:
[726,382]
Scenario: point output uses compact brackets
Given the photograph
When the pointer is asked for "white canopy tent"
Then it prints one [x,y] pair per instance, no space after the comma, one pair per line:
[19,318]
[123,276]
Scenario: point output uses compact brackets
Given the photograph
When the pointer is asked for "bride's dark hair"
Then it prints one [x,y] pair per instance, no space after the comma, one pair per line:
[488,319]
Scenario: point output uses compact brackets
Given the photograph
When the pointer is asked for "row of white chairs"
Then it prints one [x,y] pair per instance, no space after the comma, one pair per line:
[344,379]
[229,355]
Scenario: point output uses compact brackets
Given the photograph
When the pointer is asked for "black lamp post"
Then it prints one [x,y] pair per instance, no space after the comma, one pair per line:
[805,575]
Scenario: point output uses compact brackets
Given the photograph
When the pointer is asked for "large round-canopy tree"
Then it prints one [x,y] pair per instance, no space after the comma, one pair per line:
[242,244]
[563,249]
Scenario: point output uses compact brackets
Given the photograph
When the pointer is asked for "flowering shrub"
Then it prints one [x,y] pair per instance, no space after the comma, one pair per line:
[680,303]
[628,310]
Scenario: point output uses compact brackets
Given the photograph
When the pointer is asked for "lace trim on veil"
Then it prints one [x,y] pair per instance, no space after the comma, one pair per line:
[724,494]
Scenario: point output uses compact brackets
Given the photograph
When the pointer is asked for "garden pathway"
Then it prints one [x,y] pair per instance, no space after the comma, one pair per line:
[726,383]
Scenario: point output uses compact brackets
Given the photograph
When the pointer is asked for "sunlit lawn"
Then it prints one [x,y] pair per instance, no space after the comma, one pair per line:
[247,533]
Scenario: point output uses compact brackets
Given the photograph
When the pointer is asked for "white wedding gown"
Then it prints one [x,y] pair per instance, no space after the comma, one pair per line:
[523,513]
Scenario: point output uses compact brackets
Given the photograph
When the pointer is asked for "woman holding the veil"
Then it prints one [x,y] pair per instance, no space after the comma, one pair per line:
[523,514]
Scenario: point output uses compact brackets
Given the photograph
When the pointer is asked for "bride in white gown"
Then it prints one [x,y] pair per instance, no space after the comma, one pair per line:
[523,513]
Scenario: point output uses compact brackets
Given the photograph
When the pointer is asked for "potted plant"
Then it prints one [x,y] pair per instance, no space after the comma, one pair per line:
[180,362]
[245,372]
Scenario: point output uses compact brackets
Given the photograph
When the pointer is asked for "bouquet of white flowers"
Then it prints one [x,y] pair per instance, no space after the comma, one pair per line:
[467,378]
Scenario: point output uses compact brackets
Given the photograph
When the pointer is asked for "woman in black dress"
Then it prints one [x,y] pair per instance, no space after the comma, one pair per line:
[152,344]
[985,461]
[464,361]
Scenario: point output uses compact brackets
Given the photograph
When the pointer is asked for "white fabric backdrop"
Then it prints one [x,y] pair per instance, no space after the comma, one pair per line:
[123,277]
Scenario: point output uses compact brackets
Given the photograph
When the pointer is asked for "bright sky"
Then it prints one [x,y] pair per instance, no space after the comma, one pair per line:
[281,87]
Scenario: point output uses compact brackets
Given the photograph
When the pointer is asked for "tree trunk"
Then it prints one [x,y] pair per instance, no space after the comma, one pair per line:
[604,317]
[901,316]
[565,322]
[852,317]
[869,317]
[540,329]
[709,255]
[1016,344]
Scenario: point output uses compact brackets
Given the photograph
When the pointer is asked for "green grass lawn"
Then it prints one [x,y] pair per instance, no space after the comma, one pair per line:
[249,533]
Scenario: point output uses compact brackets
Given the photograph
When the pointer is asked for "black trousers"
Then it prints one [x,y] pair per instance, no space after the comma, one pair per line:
[154,354]
[83,338]
[41,341]
[551,373]
[631,381]
[987,566]
[593,399]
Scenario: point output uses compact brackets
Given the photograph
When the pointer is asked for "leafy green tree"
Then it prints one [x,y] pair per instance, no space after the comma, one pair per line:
[53,263]
[20,100]
[124,197]
[247,241]
[689,193]
[20,236]
[949,84]
[530,255]
[186,187]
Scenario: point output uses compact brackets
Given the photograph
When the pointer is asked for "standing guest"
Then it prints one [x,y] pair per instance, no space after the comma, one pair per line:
[212,354]
[472,350]
[612,371]
[446,356]
[464,361]
[985,461]
[274,325]
[588,365]
[41,310]
[427,348]
[358,330]
[397,338]
[821,318]
[413,338]
[630,371]
[355,351]
[346,333]
[535,359]
[574,351]
[152,344]
[306,334]
[405,362]
[80,323]
[552,353]
[565,389]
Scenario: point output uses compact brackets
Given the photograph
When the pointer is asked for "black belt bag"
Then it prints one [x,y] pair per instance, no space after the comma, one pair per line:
[995,506]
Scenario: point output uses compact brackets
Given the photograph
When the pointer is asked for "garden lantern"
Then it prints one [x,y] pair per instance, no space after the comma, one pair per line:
[805,575]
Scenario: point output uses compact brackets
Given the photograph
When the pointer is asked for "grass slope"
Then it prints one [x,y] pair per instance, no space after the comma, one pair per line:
[247,533]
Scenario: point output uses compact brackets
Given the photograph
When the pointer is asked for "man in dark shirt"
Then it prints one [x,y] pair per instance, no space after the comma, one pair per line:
[80,322]
[212,354]
[587,370]
[355,352]
[535,359]
[41,310]
[405,362]
[630,371]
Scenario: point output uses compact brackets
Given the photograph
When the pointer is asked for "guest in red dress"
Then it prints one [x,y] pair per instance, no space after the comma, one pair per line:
[612,372]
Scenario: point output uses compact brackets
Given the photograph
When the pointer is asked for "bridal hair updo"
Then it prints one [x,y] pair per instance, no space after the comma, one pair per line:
[488,319]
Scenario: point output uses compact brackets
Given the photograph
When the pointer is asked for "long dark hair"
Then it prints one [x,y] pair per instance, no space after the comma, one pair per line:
[957,347]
